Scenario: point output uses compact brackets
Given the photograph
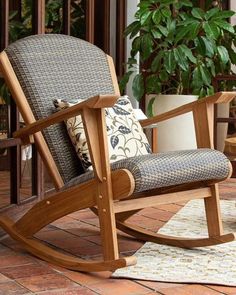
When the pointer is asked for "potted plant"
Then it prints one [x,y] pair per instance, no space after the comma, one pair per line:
[179,49]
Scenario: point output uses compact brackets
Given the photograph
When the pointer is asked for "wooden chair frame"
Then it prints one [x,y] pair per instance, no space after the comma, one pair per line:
[110,193]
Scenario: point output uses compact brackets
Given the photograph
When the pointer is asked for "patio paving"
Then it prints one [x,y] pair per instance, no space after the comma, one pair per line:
[77,233]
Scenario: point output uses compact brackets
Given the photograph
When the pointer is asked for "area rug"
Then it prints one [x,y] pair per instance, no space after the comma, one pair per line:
[209,265]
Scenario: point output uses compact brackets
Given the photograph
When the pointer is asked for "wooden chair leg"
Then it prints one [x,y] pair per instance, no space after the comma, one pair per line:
[108,228]
[213,214]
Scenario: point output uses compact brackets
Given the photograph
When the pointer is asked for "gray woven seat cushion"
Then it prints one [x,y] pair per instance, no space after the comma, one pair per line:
[170,168]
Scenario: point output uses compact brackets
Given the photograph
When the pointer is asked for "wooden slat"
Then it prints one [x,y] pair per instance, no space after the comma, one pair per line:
[203,122]
[100,101]
[4,21]
[220,97]
[38,25]
[203,115]
[106,26]
[66,16]
[130,205]
[96,134]
[213,213]
[15,156]
[113,75]
[37,174]
[9,142]
[90,14]
[120,40]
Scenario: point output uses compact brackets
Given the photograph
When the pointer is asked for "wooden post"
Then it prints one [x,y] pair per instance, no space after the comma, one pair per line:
[106,26]
[4,18]
[15,157]
[38,17]
[90,14]
[120,40]
[38,27]
[66,16]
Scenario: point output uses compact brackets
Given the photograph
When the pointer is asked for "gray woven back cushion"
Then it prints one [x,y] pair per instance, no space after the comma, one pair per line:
[57,66]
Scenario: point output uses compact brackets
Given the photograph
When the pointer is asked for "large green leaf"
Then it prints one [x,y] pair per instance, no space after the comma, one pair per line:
[169,61]
[163,76]
[133,27]
[202,92]
[186,3]
[156,17]
[181,33]
[163,30]
[225,14]
[179,4]
[156,34]
[223,54]
[156,63]
[123,82]
[144,5]
[166,2]
[211,30]
[225,26]
[180,59]
[211,65]
[145,17]
[209,46]
[205,74]
[194,30]
[153,84]
[197,78]
[138,86]
[146,46]
[166,12]
[136,45]
[197,13]
[188,53]
[200,46]
[150,107]
[212,12]
[210,90]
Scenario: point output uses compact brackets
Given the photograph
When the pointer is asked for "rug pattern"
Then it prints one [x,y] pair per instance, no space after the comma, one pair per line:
[209,265]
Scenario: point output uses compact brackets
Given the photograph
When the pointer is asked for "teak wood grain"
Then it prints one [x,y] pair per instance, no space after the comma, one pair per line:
[99,101]
[153,201]
[220,97]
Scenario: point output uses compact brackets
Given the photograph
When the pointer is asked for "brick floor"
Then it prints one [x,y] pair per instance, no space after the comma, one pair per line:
[78,233]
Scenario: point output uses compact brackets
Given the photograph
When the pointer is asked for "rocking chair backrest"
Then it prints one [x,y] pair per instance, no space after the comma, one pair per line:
[49,67]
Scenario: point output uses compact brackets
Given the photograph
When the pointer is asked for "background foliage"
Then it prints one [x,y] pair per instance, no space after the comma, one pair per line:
[181,47]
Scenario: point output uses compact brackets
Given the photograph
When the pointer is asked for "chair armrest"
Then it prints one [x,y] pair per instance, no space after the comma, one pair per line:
[96,102]
[220,97]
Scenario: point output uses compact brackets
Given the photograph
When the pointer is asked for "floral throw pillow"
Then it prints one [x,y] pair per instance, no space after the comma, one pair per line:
[125,134]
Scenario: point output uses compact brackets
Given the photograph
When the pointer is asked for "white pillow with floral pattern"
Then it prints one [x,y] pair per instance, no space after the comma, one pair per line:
[125,134]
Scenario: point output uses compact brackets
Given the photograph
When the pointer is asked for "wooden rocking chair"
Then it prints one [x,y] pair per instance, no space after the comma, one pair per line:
[42,68]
